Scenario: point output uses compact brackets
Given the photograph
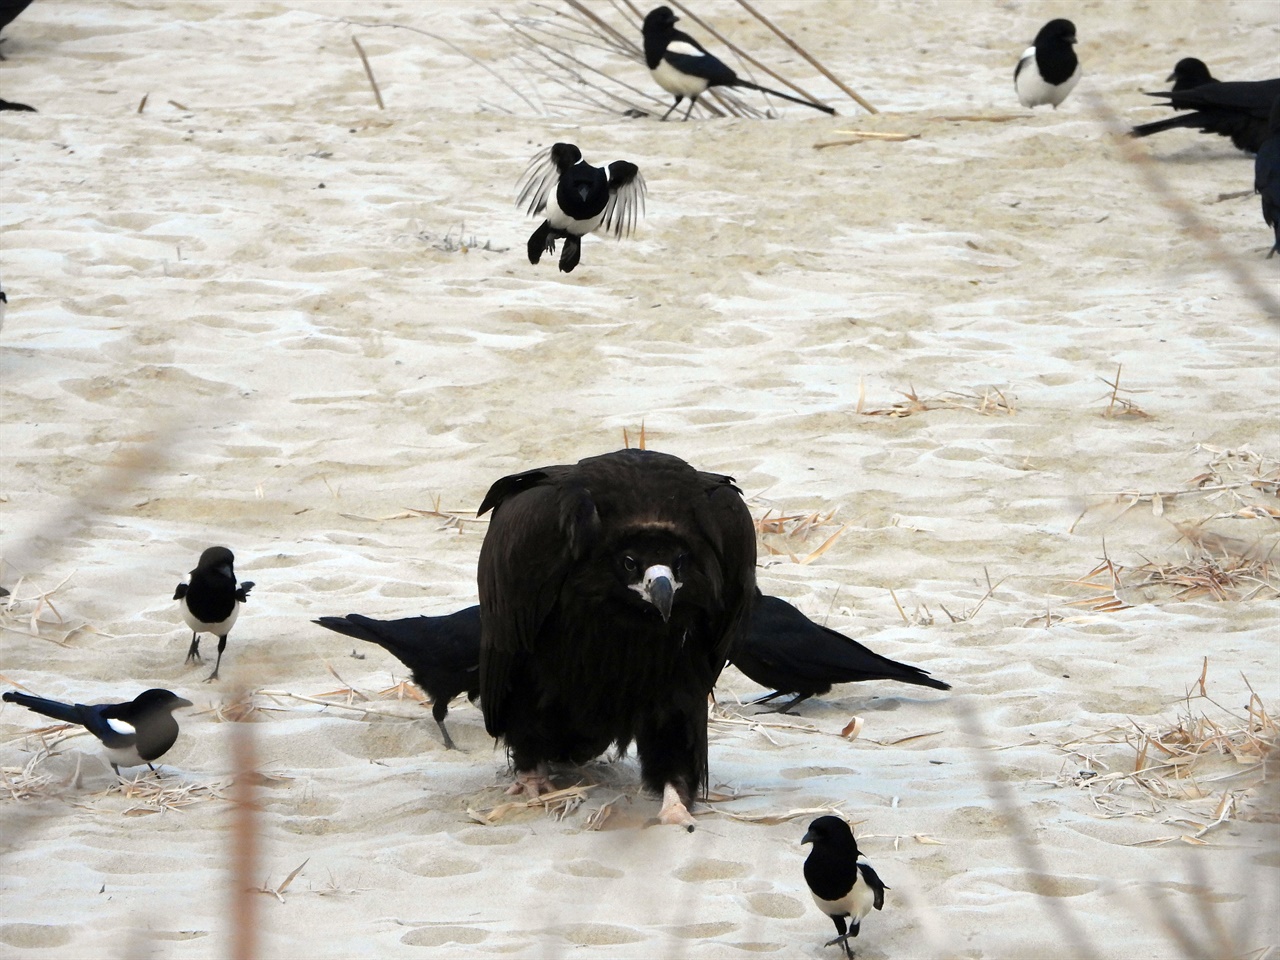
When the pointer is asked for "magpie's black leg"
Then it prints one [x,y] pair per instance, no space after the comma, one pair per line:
[194,652]
[692,102]
[672,107]
[116,768]
[222,645]
[538,243]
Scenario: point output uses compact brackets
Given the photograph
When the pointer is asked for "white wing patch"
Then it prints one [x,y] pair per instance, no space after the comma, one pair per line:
[684,48]
[120,727]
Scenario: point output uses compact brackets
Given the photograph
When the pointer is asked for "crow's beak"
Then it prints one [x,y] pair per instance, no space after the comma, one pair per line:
[182,703]
[808,838]
[1171,77]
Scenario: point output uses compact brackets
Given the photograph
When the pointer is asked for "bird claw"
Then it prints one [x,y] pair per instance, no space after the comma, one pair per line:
[844,942]
[674,812]
[533,783]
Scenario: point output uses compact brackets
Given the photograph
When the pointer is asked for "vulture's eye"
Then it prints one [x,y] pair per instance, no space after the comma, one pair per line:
[629,564]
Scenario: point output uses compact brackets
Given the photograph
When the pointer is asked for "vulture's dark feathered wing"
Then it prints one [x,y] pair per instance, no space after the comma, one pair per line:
[610,593]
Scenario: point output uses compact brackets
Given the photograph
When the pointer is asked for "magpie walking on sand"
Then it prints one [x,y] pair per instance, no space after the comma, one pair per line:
[132,733]
[783,649]
[210,602]
[576,199]
[1048,70]
[442,653]
[843,884]
[1266,175]
[1237,109]
[683,67]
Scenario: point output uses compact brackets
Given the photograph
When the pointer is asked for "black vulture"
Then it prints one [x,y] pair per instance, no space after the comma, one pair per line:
[610,593]
[442,653]
[783,649]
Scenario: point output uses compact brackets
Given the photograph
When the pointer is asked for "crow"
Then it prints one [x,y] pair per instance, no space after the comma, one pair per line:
[1266,175]
[576,199]
[611,591]
[1189,73]
[210,603]
[442,653]
[843,884]
[132,733]
[683,67]
[1236,109]
[1048,70]
[783,649]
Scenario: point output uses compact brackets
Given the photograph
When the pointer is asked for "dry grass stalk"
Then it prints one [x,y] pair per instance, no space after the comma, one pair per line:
[1203,762]
[989,403]
[558,804]
[278,891]
[640,442]
[1118,407]
[862,136]
[452,520]
[32,612]
[368,72]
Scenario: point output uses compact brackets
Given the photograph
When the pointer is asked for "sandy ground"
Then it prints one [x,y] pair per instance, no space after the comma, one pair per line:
[251,295]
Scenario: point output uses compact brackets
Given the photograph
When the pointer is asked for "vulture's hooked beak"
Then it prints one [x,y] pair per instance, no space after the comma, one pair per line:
[659,588]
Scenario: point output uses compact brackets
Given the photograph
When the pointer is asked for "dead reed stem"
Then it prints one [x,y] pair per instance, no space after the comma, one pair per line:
[245,842]
[368,72]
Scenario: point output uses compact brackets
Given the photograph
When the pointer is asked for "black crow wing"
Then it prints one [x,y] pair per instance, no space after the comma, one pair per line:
[626,199]
[540,527]
[543,174]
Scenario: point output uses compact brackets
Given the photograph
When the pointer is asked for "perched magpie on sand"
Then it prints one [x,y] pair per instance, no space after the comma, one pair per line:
[1049,70]
[576,199]
[842,882]
[442,653]
[1266,175]
[610,593]
[210,602]
[132,733]
[683,67]
[1237,109]
[785,650]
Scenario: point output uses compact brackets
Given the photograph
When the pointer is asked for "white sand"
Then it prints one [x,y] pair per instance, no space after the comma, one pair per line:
[304,357]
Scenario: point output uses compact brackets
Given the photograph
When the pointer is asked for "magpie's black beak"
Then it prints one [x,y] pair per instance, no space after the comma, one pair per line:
[661,594]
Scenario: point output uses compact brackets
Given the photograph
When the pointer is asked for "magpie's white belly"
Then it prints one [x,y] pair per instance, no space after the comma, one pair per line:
[1032,89]
[123,756]
[856,904]
[217,629]
[673,81]
[562,221]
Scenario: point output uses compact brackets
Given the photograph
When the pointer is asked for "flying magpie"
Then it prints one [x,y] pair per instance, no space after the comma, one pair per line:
[683,67]
[1048,70]
[841,881]
[783,649]
[1237,109]
[132,733]
[1266,175]
[443,653]
[576,199]
[211,602]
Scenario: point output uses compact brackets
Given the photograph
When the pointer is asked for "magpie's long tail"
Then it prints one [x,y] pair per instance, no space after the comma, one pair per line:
[65,712]
[785,96]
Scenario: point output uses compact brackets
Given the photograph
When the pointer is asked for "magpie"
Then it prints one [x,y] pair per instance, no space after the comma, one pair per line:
[1266,175]
[576,199]
[611,591]
[132,733]
[683,67]
[1237,109]
[783,649]
[442,653]
[843,884]
[8,13]
[211,602]
[1048,70]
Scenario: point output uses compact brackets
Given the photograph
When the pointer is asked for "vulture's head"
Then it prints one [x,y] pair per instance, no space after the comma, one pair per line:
[655,567]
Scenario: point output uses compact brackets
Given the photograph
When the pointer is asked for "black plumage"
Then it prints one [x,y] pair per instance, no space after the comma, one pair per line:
[783,649]
[843,883]
[610,593]
[8,13]
[132,733]
[442,653]
[683,67]
[1189,73]
[576,198]
[1236,109]
[210,602]
[1266,175]
[1048,70]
